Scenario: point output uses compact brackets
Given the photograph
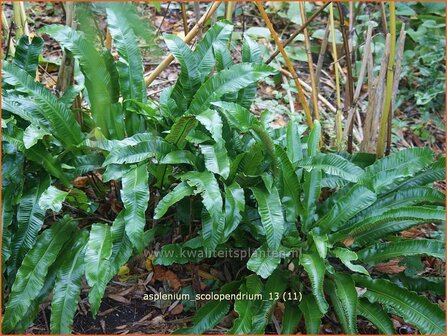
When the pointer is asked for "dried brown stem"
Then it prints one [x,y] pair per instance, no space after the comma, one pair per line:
[310,64]
[298,31]
[301,97]
[184,18]
[188,38]
[350,83]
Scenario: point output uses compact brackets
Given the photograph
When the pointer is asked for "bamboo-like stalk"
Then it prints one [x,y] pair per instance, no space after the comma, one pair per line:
[17,14]
[338,121]
[389,84]
[24,18]
[11,50]
[310,63]
[397,70]
[301,97]
[360,79]
[321,55]
[299,30]
[349,82]
[229,6]
[184,18]
[196,6]
[188,38]
[307,88]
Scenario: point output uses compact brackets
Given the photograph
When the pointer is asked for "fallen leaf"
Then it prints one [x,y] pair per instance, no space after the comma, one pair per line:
[149,265]
[163,274]
[118,298]
[80,182]
[390,267]
[123,273]
[178,309]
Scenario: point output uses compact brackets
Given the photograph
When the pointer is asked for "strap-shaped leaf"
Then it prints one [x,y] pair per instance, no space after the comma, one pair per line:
[12,186]
[344,298]
[313,142]
[315,268]
[357,199]
[275,287]
[401,198]
[34,307]
[270,210]
[312,190]
[212,121]
[410,247]
[189,77]
[332,164]
[216,159]
[346,256]
[376,315]
[25,109]
[179,192]
[433,173]
[99,70]
[380,175]
[212,229]
[293,140]
[289,186]
[264,261]
[52,198]
[230,80]
[32,135]
[207,318]
[39,154]
[179,157]
[219,32]
[30,217]
[121,252]
[251,53]
[62,122]
[237,116]
[222,55]
[97,255]
[421,284]
[379,226]
[33,271]
[109,145]
[207,185]
[180,130]
[135,197]
[130,64]
[139,152]
[246,311]
[312,314]
[68,286]
[414,309]
[291,318]
[234,206]
[27,54]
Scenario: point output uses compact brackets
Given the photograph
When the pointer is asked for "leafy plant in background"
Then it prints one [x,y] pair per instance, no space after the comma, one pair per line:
[201,155]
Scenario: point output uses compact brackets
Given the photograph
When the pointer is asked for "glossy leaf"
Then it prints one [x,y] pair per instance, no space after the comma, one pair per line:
[270,210]
[315,269]
[135,197]
[31,274]
[62,122]
[68,287]
[414,309]
[401,248]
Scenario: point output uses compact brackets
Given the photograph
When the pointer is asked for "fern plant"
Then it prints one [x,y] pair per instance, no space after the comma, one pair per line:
[200,155]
